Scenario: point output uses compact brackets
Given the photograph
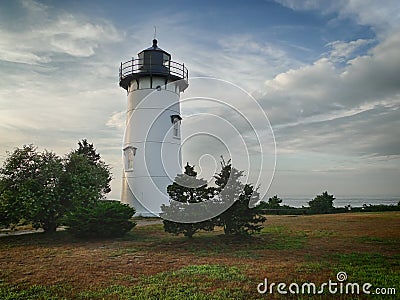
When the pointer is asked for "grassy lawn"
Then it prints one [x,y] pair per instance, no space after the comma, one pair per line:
[150,264]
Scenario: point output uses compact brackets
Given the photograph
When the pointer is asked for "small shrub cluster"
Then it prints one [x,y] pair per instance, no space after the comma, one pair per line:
[321,204]
[102,219]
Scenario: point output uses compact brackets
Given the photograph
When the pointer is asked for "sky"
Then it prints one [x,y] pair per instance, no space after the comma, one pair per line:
[325,73]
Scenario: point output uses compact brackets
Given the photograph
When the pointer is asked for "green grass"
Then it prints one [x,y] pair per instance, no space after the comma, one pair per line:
[123,251]
[34,292]
[190,282]
[377,240]
[377,269]
[148,263]
[310,267]
[280,238]
[214,272]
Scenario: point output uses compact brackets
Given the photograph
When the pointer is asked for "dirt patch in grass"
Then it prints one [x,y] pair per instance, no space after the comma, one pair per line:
[151,263]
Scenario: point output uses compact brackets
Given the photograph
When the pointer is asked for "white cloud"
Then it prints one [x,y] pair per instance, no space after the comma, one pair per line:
[321,105]
[117,120]
[76,37]
[324,6]
[342,50]
[46,33]
[34,7]
[382,16]
[239,58]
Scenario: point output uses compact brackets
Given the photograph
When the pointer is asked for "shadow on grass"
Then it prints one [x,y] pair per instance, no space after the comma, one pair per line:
[153,237]
[216,243]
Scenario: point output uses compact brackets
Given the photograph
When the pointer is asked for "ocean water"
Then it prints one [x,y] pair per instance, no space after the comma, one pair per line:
[341,201]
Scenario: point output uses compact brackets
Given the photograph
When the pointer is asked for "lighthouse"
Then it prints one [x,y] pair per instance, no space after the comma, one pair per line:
[152,139]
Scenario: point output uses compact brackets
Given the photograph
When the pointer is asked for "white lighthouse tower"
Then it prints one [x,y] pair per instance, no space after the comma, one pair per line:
[152,141]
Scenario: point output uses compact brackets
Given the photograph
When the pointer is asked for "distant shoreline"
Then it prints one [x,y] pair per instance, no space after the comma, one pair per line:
[355,201]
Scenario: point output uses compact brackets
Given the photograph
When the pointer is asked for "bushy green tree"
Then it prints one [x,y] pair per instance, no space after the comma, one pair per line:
[30,188]
[39,187]
[89,151]
[185,190]
[241,217]
[100,219]
[322,203]
[87,178]
[16,170]
[46,206]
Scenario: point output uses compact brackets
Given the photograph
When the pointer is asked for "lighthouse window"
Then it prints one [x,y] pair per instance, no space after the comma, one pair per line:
[176,128]
[176,120]
[166,60]
[129,154]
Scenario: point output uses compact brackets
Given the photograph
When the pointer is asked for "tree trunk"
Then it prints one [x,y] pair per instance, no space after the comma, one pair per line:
[50,228]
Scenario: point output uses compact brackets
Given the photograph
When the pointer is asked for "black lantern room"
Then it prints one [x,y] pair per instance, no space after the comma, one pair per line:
[153,62]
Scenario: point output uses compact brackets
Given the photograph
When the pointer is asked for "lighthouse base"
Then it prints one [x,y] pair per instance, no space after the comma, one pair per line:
[127,197]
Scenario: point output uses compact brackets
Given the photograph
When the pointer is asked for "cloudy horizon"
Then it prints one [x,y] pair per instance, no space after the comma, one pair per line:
[326,75]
